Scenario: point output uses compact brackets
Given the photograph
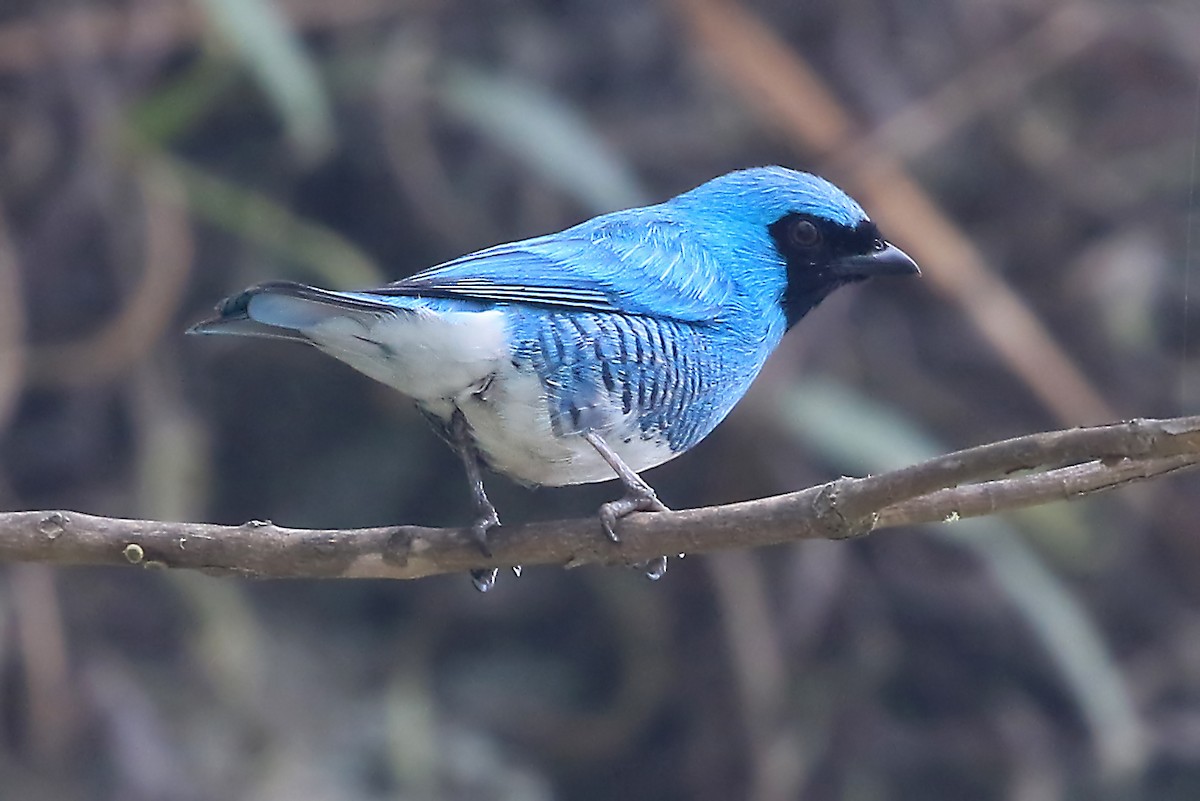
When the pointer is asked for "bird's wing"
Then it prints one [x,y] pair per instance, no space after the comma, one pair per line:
[631,267]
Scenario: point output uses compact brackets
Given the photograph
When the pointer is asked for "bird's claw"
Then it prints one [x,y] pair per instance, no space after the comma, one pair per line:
[485,578]
[634,501]
[480,528]
[631,502]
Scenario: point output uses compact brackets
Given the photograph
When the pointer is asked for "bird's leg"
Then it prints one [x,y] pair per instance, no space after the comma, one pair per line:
[639,497]
[487,519]
[460,431]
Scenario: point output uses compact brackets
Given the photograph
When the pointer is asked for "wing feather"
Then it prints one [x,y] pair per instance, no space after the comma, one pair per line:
[614,264]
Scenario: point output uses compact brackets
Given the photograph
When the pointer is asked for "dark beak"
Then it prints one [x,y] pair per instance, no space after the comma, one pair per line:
[889,261]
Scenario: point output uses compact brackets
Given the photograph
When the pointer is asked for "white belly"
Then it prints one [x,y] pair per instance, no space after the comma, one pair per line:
[510,420]
[425,355]
[448,360]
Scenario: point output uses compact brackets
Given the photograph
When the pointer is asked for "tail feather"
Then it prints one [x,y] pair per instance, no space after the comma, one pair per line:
[286,310]
[426,352]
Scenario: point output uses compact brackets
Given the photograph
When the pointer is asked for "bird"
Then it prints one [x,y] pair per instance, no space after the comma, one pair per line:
[602,350]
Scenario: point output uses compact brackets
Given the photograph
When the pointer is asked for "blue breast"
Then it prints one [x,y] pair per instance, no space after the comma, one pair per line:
[677,380]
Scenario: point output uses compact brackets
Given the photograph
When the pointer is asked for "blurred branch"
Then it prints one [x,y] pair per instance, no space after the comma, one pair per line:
[126,339]
[12,325]
[785,92]
[781,761]
[160,26]
[977,481]
[53,714]
[997,80]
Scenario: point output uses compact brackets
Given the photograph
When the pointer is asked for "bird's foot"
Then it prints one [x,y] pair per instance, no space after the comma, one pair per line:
[484,579]
[459,432]
[639,497]
[636,499]
[487,520]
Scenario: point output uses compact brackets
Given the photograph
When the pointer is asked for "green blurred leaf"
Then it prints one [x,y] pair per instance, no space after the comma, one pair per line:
[170,112]
[857,434]
[262,38]
[545,133]
[861,436]
[323,254]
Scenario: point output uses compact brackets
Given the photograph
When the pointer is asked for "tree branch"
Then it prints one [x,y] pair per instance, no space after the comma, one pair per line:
[1055,465]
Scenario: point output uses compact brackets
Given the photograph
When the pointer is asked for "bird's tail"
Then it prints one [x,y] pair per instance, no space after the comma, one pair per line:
[287,310]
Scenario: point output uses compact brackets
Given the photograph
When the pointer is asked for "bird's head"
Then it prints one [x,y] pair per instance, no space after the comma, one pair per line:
[780,218]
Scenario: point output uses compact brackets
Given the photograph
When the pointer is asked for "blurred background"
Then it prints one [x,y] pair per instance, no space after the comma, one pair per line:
[1040,161]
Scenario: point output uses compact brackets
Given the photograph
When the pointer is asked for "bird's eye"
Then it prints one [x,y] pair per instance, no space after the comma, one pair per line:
[804,234]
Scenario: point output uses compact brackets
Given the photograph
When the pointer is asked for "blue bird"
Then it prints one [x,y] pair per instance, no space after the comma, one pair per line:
[600,351]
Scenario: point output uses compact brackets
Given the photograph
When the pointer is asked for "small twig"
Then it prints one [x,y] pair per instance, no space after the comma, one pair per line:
[976,500]
[1072,463]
